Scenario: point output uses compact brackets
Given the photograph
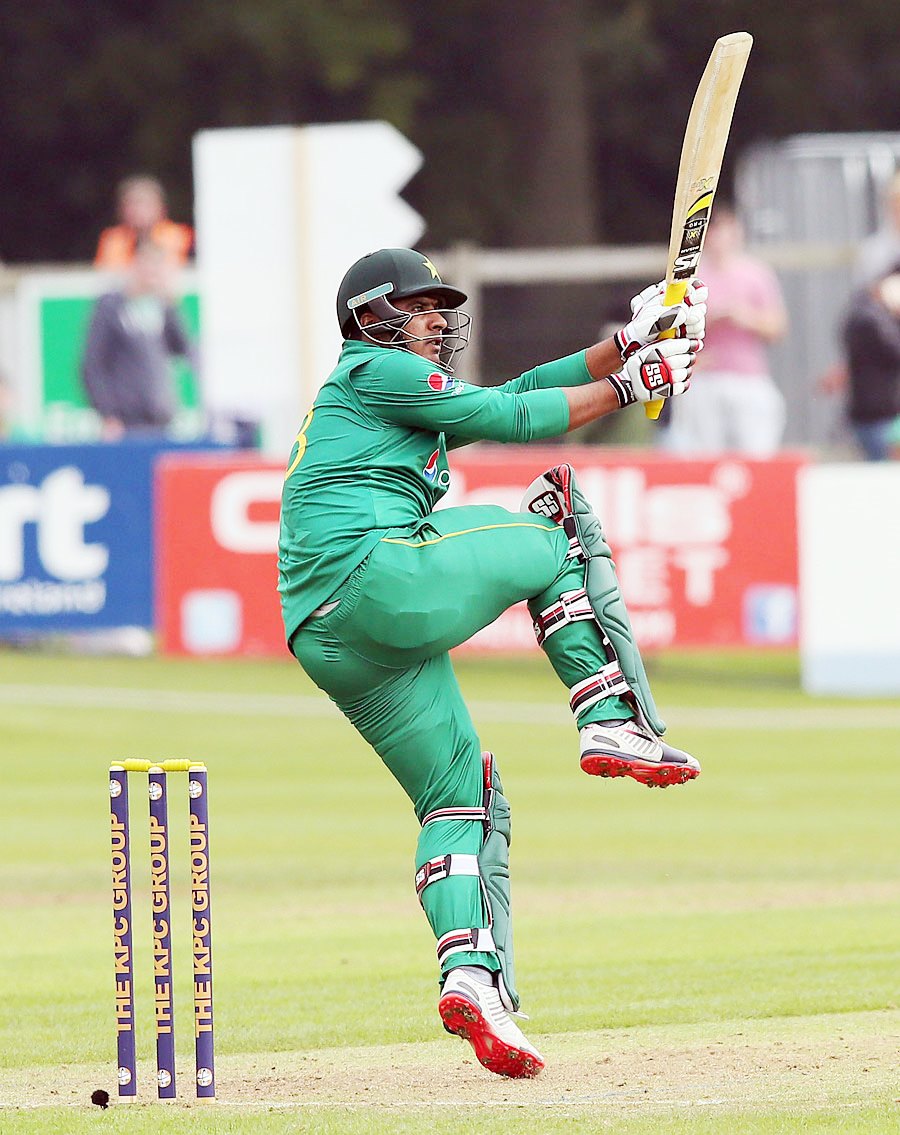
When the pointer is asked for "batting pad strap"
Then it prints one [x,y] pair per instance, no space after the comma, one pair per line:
[607,682]
[475,940]
[443,867]
[571,607]
[475,815]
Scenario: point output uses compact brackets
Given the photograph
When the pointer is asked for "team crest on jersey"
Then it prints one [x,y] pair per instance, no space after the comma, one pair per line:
[440,383]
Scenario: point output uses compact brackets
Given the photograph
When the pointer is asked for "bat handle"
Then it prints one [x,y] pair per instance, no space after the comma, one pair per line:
[675,293]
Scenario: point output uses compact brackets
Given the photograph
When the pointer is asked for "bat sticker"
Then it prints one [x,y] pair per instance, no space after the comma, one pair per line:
[692,237]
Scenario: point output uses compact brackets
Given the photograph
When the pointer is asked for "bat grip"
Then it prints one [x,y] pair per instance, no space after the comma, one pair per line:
[675,293]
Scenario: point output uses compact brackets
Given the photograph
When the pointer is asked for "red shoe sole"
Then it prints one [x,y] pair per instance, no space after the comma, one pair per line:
[645,772]
[464,1019]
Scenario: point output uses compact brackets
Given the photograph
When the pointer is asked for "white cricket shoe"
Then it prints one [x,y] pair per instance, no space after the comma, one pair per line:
[629,749]
[473,1010]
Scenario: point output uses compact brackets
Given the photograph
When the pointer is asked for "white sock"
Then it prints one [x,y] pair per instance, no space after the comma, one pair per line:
[480,974]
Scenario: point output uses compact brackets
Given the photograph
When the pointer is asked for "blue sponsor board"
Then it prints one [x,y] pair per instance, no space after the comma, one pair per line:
[76,536]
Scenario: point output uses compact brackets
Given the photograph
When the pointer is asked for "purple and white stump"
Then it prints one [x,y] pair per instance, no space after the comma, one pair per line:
[162,934]
[122,931]
[202,932]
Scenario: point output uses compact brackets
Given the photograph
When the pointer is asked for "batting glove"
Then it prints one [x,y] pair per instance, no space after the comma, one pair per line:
[650,317]
[660,370]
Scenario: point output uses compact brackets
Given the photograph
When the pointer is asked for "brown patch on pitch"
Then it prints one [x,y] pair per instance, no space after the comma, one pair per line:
[833,1060]
[584,1071]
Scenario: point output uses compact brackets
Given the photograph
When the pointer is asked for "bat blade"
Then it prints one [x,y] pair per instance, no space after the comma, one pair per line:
[702,153]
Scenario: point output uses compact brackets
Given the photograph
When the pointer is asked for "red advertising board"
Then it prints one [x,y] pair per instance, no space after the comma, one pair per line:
[706,550]
[216,571]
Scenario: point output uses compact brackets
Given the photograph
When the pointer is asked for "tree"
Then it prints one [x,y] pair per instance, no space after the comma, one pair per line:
[93,92]
[541,121]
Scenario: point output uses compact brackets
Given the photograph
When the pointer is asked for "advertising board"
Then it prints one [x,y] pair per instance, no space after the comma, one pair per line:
[705,550]
[75,537]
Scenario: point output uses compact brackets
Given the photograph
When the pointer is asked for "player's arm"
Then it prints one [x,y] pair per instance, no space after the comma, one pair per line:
[633,365]
[590,403]
[404,390]
[588,400]
[583,380]
[660,370]
[571,371]
[650,318]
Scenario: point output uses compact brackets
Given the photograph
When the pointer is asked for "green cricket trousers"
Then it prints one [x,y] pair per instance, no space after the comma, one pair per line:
[382,656]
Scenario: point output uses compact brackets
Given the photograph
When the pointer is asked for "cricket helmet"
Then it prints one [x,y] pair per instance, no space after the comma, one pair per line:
[398,273]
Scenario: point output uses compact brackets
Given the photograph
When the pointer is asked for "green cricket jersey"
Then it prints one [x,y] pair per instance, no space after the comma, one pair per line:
[371,456]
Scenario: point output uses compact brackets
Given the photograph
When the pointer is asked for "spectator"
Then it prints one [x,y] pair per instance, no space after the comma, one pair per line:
[733,404]
[132,335]
[141,203]
[871,341]
[875,258]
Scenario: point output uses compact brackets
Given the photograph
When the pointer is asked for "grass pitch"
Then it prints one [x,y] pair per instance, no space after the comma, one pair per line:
[717,957]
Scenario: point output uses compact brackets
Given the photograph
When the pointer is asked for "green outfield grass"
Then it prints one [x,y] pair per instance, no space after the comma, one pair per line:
[718,957]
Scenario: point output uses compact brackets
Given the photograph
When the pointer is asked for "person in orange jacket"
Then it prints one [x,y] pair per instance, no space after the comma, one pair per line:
[141,204]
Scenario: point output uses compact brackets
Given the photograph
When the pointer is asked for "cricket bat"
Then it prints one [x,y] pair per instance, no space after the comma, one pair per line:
[701,163]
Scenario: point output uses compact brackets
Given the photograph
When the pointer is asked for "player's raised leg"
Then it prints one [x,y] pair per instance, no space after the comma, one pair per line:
[427,592]
[570,625]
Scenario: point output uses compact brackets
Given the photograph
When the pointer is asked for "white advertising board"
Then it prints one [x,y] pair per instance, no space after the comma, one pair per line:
[849,544]
[281,213]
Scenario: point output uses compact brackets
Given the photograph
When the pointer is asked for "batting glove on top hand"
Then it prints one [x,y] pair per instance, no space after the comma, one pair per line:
[661,370]
[651,317]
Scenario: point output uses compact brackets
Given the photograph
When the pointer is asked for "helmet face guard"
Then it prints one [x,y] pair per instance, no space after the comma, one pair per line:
[377,281]
[390,326]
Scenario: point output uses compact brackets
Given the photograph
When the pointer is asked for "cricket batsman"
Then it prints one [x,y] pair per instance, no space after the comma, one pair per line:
[376,587]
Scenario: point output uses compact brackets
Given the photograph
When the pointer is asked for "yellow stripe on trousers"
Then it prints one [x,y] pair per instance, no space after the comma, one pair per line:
[464,532]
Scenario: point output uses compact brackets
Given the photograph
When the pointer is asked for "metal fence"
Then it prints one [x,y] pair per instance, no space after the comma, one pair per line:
[825,191]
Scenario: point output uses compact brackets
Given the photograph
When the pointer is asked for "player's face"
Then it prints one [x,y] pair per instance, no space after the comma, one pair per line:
[426,325]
